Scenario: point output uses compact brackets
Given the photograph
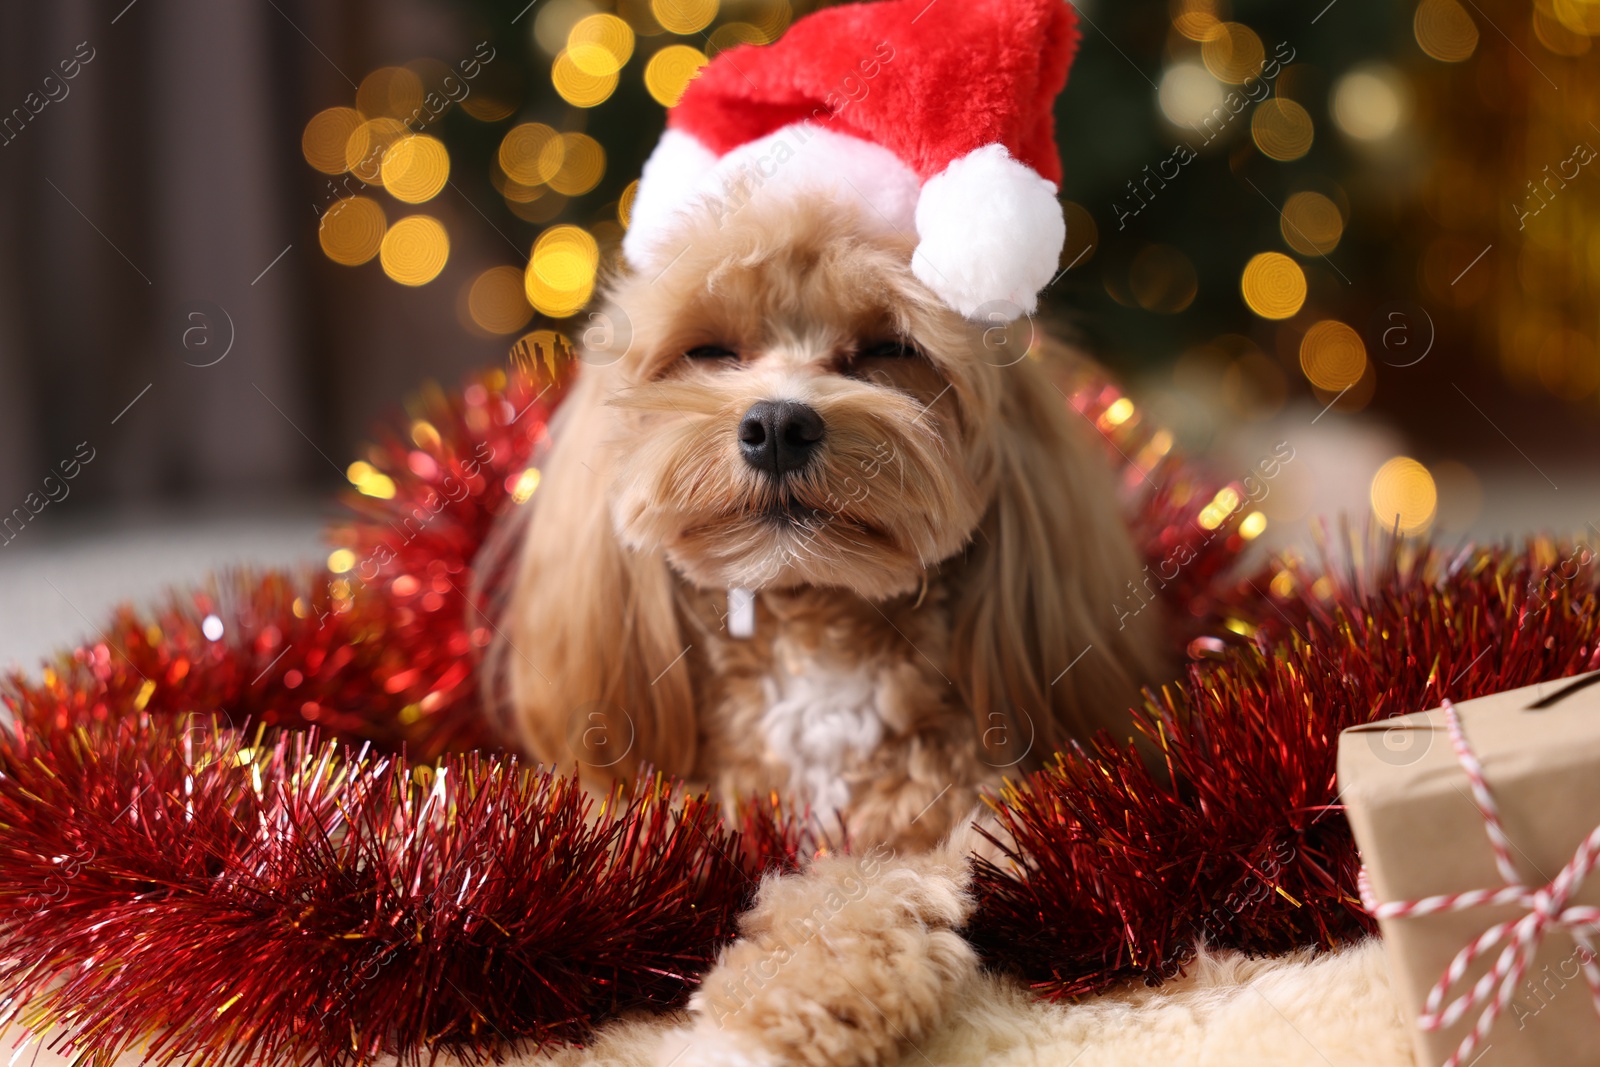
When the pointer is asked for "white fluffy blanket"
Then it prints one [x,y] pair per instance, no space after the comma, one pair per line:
[1303,1010]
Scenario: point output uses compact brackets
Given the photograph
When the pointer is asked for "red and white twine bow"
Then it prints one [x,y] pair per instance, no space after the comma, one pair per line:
[1548,908]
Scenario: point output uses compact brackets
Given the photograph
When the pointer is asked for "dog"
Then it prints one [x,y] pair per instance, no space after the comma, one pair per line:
[804,530]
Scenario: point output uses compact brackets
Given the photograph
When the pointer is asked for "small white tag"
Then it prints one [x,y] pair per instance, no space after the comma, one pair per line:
[741,613]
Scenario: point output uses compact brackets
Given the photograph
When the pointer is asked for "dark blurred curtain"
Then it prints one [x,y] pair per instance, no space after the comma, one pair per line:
[158,203]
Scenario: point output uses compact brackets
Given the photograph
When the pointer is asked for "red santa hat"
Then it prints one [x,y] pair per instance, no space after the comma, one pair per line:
[934,116]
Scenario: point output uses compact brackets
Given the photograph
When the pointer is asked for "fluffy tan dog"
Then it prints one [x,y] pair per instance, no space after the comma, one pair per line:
[803,529]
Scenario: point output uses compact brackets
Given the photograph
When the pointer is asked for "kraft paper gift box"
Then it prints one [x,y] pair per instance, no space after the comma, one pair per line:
[1421,833]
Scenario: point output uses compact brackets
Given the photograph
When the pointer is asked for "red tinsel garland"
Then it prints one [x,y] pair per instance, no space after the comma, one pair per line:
[1118,874]
[295,901]
[279,896]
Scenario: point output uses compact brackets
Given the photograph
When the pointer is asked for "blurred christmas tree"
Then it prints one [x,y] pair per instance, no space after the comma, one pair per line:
[1264,200]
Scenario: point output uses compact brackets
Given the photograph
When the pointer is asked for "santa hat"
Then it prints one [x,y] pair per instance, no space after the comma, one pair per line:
[935,116]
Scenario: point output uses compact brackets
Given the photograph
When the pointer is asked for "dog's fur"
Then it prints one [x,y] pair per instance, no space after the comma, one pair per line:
[934,592]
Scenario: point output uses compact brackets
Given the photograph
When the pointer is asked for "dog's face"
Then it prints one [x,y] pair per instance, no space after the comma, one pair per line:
[793,407]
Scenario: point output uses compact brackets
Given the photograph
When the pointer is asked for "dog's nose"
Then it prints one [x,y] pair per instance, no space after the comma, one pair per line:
[778,436]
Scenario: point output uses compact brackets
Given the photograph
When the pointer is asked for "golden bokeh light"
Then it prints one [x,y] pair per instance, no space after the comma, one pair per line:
[1252,526]
[560,275]
[1232,53]
[625,203]
[1403,493]
[1370,102]
[1555,35]
[684,16]
[415,250]
[1188,94]
[368,144]
[415,168]
[497,301]
[486,106]
[583,163]
[553,21]
[1162,279]
[600,44]
[1579,16]
[369,480]
[576,86]
[1332,356]
[325,137]
[1196,19]
[670,71]
[1311,224]
[341,560]
[389,91]
[1273,285]
[1282,129]
[733,34]
[352,230]
[1222,505]
[1444,30]
[771,17]
[525,485]
[530,154]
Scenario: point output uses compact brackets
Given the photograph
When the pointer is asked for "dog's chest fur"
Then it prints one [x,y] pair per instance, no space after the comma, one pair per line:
[845,705]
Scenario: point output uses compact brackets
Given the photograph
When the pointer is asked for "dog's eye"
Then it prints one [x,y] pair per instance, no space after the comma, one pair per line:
[710,352]
[889,350]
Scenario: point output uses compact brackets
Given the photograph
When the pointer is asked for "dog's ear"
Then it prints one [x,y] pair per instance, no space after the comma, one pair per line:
[588,666]
[1040,649]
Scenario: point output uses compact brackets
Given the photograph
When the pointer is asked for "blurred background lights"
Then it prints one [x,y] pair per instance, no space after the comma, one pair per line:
[414,250]
[1281,129]
[732,34]
[553,21]
[1444,30]
[1370,102]
[1311,224]
[577,86]
[352,230]
[1579,16]
[1233,53]
[394,92]
[1188,94]
[670,70]
[684,16]
[325,137]
[560,275]
[531,154]
[599,45]
[1403,492]
[583,162]
[368,143]
[497,302]
[415,168]
[1196,19]
[1565,26]
[369,480]
[525,484]
[341,560]
[1273,285]
[1332,356]
[625,202]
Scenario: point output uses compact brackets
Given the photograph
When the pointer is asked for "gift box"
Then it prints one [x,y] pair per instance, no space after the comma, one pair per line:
[1471,816]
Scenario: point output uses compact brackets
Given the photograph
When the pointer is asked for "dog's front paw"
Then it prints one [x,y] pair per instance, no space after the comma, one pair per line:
[848,964]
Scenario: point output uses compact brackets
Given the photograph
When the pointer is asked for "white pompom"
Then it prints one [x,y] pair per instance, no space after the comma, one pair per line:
[666,185]
[990,233]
